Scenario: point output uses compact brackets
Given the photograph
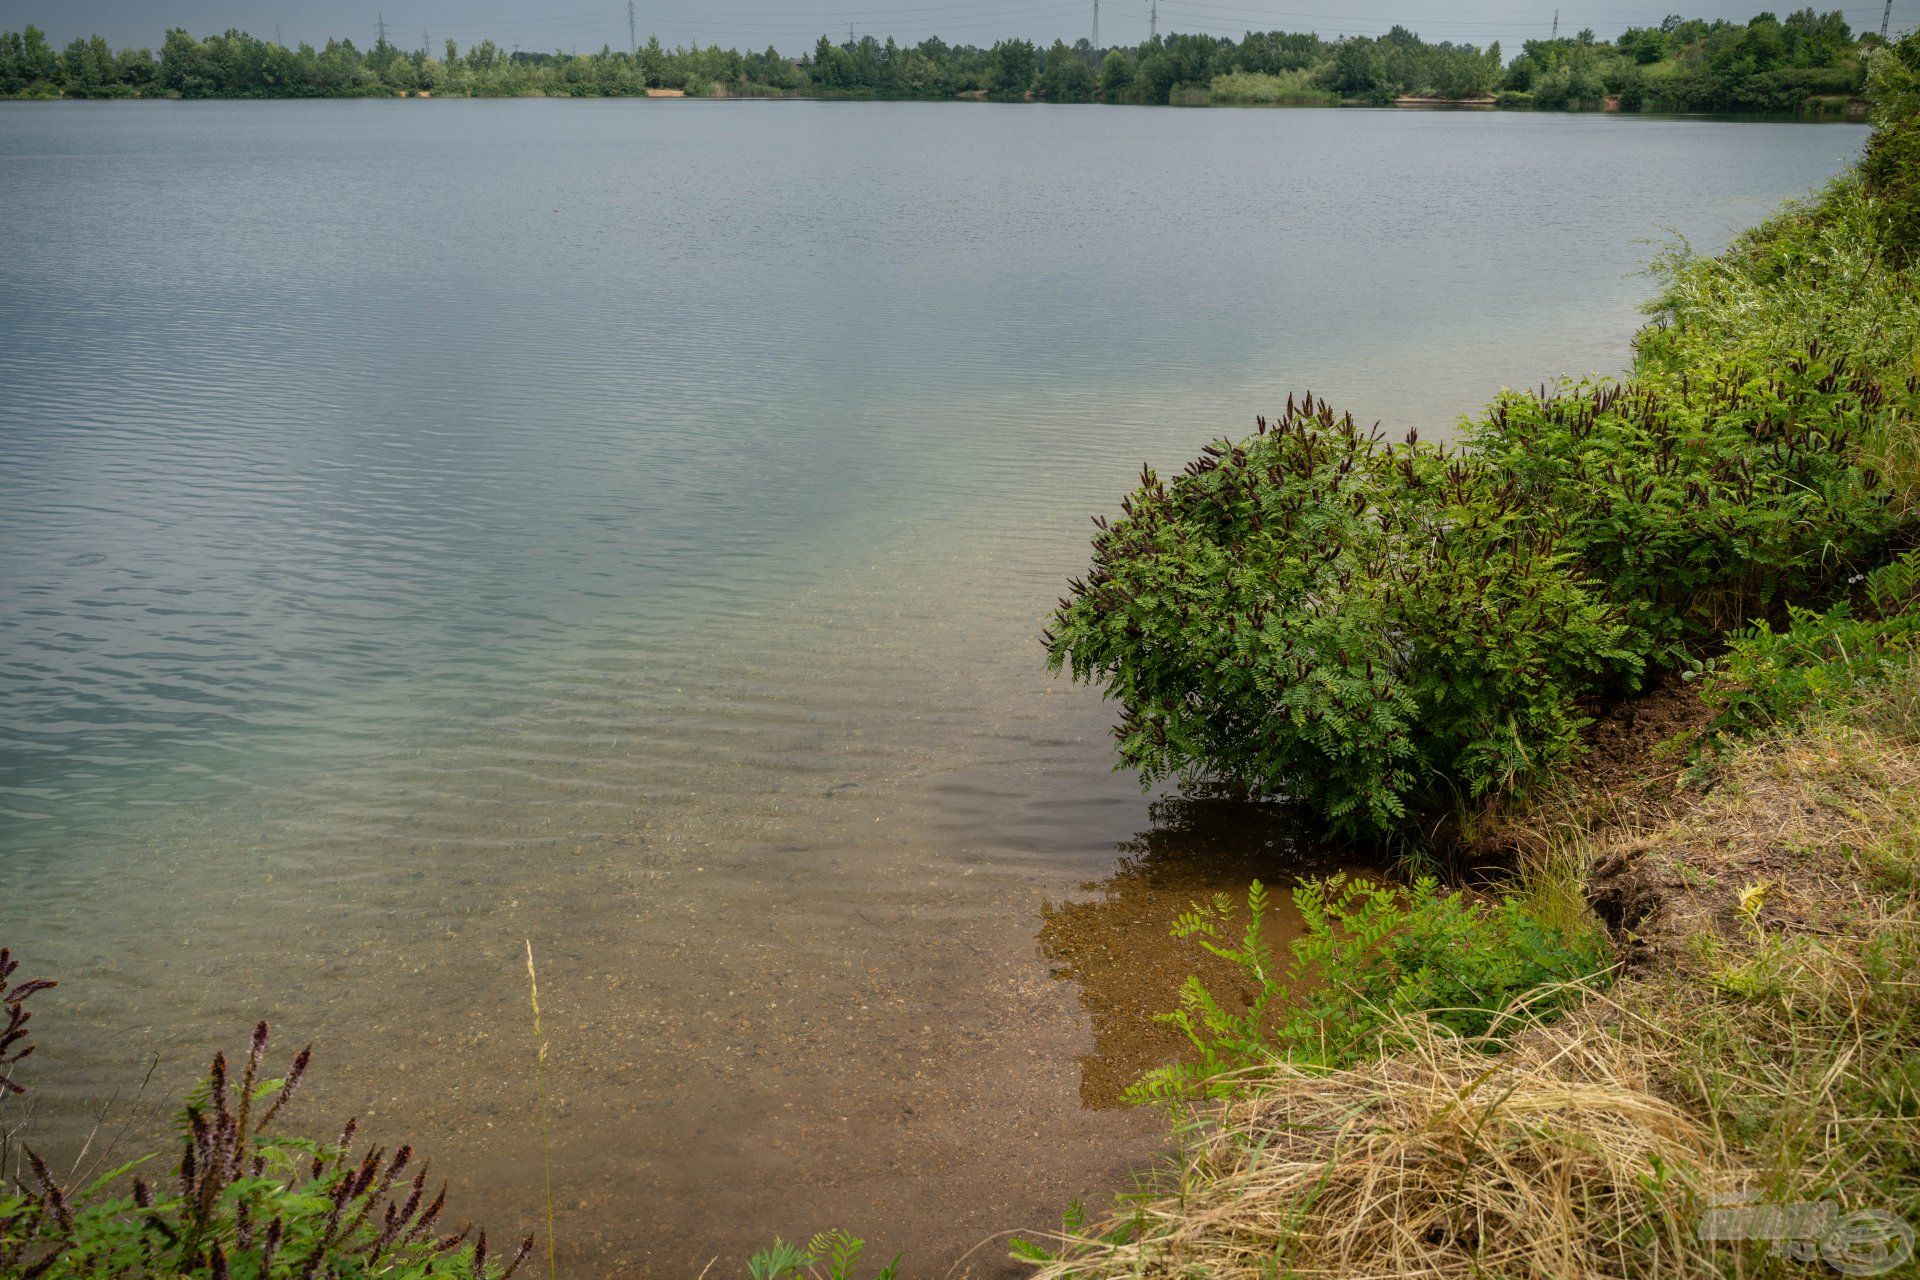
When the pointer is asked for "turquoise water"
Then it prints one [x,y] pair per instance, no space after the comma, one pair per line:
[626,526]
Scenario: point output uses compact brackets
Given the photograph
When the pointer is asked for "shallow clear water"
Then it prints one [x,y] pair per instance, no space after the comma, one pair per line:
[426,527]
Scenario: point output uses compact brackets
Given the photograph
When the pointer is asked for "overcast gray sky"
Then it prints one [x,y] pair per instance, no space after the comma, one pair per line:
[793,25]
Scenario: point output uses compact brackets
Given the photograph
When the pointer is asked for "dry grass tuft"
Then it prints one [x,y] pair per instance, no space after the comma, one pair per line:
[1437,1162]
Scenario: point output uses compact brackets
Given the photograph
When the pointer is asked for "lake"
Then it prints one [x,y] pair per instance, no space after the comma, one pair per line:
[430,527]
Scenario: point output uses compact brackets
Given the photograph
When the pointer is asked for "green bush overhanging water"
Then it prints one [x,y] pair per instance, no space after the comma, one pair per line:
[1382,631]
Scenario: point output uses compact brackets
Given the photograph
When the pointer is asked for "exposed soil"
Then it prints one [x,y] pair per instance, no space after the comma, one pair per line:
[1638,745]
[1630,778]
[1675,856]
[1630,782]
[1636,763]
[1771,828]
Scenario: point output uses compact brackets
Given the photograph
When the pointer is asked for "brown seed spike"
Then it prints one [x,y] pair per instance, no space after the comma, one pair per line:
[520,1256]
[55,1197]
[219,1090]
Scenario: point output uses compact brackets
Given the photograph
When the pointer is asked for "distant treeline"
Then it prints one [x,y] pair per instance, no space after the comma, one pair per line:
[1806,61]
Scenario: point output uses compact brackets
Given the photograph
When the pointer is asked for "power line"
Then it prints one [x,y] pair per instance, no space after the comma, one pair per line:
[565,31]
[672,17]
[725,23]
[1625,15]
[1599,16]
[957,7]
[1222,12]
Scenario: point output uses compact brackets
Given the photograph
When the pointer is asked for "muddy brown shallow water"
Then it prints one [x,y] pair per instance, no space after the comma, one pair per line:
[1112,942]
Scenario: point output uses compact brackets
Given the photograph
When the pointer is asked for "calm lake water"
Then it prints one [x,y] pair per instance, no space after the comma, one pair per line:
[426,527]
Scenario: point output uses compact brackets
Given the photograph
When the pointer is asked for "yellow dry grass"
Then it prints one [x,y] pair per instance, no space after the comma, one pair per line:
[1437,1162]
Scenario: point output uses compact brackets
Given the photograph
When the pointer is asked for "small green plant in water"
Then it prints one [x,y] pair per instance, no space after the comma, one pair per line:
[1223,1039]
[1073,1224]
[1372,955]
[830,1255]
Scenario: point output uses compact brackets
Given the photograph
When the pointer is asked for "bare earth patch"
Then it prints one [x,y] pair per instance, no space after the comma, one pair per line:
[1790,815]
